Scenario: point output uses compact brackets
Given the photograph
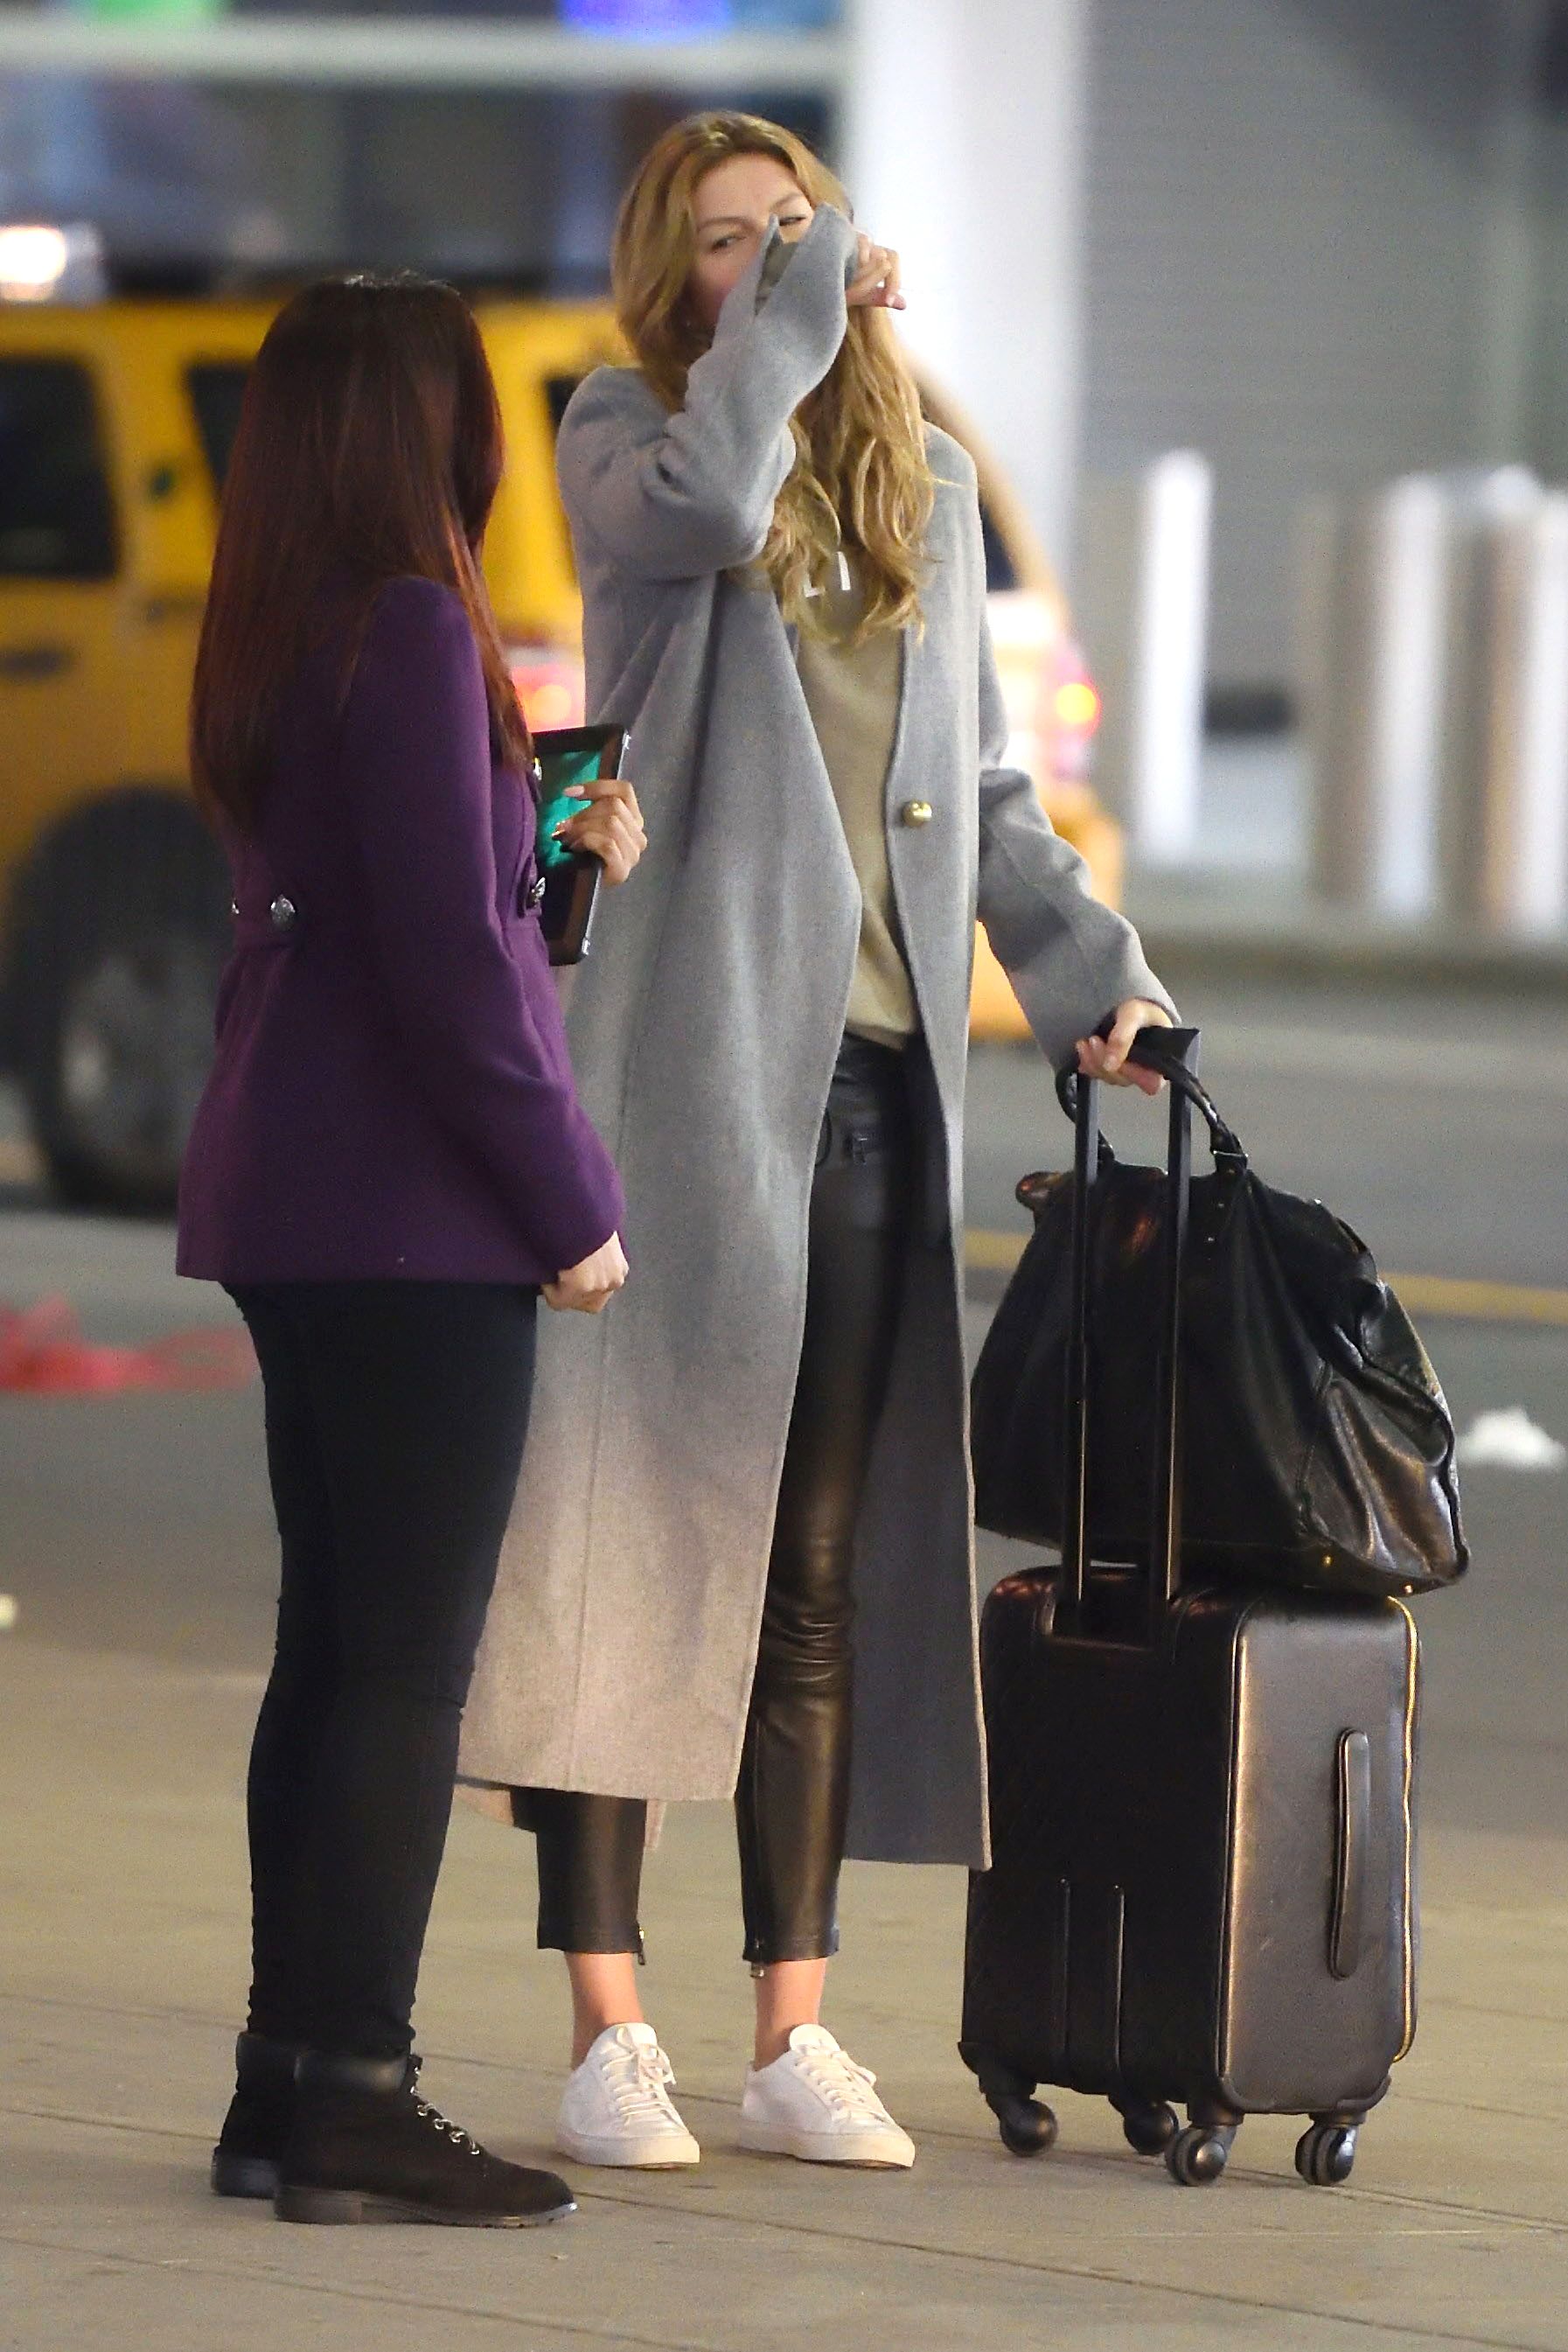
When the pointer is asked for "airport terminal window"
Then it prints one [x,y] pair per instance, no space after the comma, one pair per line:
[56,518]
[218,388]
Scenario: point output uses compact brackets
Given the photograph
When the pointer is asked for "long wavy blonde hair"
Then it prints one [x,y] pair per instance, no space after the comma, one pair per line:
[861,475]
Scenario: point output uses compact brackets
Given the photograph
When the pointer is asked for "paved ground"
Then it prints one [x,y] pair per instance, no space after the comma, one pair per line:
[134,1536]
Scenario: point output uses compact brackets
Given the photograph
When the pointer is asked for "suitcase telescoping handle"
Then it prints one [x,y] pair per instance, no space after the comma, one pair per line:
[1174,1052]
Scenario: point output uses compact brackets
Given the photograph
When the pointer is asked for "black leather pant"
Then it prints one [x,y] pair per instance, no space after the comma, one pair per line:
[791,1800]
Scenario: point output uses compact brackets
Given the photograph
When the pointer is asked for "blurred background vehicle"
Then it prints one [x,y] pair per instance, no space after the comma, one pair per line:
[117,417]
[1249,309]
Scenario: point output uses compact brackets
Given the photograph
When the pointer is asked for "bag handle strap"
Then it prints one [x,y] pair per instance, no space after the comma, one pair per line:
[1151,1050]
[1174,1052]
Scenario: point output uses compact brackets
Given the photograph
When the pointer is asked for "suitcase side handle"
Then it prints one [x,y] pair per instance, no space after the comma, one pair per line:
[1353,1846]
[1167,1050]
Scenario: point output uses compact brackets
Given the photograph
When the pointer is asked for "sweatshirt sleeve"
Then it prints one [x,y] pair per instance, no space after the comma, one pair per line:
[678,496]
[491,1059]
[1070,959]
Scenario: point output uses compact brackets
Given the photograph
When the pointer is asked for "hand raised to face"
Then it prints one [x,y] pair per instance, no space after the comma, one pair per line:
[877,283]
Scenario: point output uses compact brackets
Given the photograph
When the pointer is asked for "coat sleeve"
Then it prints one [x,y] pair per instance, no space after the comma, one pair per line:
[484,1043]
[682,496]
[1070,959]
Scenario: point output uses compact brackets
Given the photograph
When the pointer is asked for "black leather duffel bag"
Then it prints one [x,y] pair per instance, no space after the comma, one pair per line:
[1317,1449]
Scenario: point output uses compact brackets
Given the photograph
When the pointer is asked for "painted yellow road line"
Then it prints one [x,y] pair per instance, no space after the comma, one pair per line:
[992,1253]
[1481,1302]
[1423,1293]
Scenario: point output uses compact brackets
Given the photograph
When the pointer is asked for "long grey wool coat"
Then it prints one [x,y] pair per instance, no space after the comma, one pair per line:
[622,1636]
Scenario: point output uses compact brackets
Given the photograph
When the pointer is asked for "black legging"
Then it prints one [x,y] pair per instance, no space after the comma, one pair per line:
[396,1414]
[791,1800]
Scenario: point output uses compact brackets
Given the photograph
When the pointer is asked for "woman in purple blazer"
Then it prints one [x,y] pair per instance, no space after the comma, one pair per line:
[389,1165]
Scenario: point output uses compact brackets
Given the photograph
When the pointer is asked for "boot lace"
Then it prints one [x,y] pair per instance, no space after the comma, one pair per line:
[441,2125]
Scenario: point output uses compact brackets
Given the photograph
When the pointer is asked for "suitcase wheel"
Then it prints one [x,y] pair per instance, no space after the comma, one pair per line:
[1325,2154]
[1199,2153]
[1150,2125]
[1028,2126]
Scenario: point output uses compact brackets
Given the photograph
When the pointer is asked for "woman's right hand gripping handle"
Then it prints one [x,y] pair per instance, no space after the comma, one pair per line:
[588,1289]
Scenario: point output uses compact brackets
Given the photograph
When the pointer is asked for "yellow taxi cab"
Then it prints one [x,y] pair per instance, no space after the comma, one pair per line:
[117,415]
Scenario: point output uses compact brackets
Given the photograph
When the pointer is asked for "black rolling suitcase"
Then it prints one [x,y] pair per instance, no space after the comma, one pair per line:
[1201,1892]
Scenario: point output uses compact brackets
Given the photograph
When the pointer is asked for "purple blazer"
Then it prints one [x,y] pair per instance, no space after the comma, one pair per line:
[391,1094]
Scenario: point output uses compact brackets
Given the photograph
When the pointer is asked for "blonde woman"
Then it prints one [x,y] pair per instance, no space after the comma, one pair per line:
[742,1559]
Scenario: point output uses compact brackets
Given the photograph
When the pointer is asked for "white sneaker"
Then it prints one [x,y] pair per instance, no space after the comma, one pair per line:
[617,2107]
[815,2103]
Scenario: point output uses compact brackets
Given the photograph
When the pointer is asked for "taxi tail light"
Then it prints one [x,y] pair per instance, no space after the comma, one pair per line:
[42,262]
[1070,712]
[1075,706]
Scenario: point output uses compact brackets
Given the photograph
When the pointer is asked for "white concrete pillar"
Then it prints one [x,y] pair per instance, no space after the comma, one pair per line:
[1519,869]
[1377,615]
[963,145]
[1144,614]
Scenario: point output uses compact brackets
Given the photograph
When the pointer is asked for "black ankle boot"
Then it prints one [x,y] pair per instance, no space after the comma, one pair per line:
[366,2148]
[245,2161]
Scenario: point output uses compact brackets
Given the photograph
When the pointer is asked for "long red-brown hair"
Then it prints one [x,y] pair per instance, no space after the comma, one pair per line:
[370,448]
